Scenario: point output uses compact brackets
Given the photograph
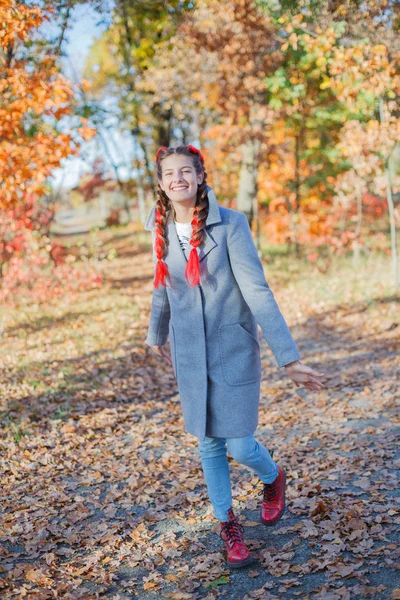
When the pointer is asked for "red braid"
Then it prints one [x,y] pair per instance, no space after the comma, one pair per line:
[161,270]
[200,213]
[192,271]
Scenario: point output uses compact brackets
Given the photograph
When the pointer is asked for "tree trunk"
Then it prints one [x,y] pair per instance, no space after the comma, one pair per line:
[149,172]
[297,200]
[139,178]
[389,199]
[163,128]
[247,191]
[356,245]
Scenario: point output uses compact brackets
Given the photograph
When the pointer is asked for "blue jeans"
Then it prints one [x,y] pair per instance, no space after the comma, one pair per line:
[214,460]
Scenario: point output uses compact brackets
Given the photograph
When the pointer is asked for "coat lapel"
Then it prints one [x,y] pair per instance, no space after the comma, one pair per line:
[175,249]
[208,245]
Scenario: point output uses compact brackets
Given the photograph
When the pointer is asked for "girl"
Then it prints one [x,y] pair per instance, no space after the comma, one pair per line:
[209,294]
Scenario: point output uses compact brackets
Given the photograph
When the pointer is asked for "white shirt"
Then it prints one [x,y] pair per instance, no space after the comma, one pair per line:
[184,231]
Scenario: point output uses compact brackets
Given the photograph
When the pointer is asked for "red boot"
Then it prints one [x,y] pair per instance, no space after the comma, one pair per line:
[273,502]
[238,555]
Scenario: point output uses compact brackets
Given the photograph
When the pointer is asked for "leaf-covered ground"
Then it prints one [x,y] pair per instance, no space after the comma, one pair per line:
[102,490]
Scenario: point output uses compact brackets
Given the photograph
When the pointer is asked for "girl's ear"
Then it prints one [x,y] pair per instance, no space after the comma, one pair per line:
[200,178]
[161,185]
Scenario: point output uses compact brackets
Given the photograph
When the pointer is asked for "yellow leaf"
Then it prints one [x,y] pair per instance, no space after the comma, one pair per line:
[151,585]
[325,84]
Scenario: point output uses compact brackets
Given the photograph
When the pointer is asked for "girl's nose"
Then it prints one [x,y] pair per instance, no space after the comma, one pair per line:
[177,178]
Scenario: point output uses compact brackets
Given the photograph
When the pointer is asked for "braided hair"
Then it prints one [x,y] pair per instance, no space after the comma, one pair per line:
[200,213]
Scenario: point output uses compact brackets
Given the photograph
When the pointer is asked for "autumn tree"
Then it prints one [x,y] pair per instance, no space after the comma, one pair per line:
[116,66]
[265,88]
[34,99]
[360,74]
[369,81]
[214,67]
[305,109]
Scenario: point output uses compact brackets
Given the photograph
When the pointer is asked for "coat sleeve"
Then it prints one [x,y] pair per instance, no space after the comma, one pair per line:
[158,330]
[249,274]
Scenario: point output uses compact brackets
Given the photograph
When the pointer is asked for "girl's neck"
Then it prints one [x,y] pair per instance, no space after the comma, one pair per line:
[183,215]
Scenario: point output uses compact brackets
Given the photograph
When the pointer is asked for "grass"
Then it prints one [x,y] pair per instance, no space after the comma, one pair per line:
[339,280]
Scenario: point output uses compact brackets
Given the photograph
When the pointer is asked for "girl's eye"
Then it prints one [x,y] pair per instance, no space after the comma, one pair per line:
[170,174]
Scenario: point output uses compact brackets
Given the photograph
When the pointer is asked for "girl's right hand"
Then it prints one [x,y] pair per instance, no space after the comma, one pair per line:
[162,352]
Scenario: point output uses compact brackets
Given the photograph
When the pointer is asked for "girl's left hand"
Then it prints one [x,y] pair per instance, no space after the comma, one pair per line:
[303,375]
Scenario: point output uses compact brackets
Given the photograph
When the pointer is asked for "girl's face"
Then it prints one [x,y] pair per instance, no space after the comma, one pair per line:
[179,179]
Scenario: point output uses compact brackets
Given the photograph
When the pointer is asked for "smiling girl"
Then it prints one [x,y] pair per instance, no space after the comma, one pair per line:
[210,293]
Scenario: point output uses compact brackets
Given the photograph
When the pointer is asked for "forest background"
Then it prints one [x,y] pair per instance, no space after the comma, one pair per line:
[295,105]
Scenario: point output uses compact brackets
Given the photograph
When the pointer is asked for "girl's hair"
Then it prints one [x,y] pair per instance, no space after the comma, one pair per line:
[200,213]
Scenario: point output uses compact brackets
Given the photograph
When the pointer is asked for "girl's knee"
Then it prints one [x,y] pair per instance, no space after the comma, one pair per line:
[242,449]
[211,446]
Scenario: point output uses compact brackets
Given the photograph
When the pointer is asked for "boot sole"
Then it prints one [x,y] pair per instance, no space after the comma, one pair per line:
[243,563]
[270,523]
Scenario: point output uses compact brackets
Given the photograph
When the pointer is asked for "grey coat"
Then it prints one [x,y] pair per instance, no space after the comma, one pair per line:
[213,327]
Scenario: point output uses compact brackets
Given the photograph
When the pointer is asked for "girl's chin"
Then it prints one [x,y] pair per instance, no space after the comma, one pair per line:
[181,197]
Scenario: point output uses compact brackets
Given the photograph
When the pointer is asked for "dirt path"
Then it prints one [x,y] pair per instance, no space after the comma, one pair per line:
[103,493]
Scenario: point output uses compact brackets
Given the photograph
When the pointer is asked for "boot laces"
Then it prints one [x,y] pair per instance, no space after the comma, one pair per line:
[269,491]
[233,530]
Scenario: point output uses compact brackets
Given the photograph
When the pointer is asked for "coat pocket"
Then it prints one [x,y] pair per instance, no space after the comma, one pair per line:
[172,346]
[240,354]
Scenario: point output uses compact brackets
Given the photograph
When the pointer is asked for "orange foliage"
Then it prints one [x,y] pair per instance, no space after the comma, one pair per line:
[32,95]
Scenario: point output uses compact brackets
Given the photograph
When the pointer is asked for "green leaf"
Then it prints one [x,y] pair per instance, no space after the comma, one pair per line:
[220,581]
